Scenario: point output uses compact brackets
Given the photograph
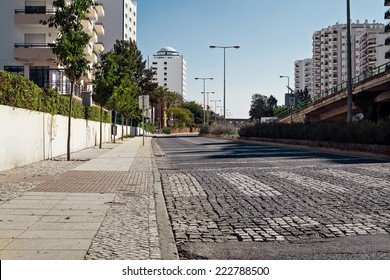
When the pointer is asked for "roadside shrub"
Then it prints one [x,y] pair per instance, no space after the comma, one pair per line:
[219,129]
[18,91]
[166,130]
[359,133]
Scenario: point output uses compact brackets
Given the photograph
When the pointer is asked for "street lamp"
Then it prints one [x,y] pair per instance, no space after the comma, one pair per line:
[349,65]
[288,91]
[207,104]
[288,82]
[204,97]
[215,108]
[224,73]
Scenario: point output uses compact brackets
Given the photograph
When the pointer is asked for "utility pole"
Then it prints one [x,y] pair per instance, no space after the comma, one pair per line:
[349,50]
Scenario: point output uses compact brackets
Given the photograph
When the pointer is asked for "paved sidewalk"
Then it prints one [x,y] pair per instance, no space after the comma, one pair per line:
[104,208]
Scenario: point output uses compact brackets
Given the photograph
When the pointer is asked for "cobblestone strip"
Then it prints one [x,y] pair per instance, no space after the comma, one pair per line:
[128,231]
[249,186]
[309,182]
[365,180]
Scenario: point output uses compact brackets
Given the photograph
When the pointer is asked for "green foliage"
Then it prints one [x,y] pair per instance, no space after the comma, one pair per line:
[166,130]
[18,91]
[149,127]
[181,117]
[262,106]
[196,110]
[279,109]
[359,133]
[70,45]
[124,99]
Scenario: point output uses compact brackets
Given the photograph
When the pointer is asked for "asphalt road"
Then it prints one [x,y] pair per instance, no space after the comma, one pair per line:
[231,200]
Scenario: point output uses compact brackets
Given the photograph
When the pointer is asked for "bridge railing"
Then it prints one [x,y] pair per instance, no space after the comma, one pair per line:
[336,89]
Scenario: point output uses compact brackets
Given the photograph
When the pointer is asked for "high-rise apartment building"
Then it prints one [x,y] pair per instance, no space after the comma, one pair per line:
[330,52]
[120,21]
[171,70]
[24,44]
[387,28]
[303,74]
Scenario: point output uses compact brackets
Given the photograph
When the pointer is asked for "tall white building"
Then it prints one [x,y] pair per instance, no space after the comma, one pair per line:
[171,70]
[120,21]
[24,44]
[330,52]
[303,74]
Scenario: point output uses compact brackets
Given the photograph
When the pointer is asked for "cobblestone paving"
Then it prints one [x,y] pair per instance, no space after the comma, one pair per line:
[129,230]
[278,203]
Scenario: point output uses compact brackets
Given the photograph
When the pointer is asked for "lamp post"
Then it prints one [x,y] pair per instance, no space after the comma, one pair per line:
[288,91]
[224,73]
[215,108]
[288,82]
[349,65]
[207,104]
[204,97]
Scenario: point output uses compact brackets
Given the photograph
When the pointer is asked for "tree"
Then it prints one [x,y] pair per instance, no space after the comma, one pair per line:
[105,80]
[262,106]
[70,44]
[196,110]
[181,117]
[124,99]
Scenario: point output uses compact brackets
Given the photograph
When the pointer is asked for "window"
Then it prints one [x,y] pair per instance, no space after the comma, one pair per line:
[35,7]
[40,75]
[165,68]
[16,70]
[154,63]
[165,85]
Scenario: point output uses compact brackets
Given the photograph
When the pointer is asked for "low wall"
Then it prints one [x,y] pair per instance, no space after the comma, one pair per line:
[30,136]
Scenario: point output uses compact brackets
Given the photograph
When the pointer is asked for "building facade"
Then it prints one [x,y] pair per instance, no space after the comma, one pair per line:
[24,47]
[171,70]
[330,53]
[120,21]
[303,75]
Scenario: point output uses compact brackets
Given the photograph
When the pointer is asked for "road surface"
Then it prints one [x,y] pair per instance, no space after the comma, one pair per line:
[231,200]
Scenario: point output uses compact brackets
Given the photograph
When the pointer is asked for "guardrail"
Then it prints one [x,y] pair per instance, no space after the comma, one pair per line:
[33,45]
[336,89]
[35,11]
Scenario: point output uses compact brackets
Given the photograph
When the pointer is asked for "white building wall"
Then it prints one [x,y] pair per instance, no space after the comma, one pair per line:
[120,21]
[170,70]
[14,30]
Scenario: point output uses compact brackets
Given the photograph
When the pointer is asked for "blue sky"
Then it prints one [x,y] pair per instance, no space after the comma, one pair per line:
[272,35]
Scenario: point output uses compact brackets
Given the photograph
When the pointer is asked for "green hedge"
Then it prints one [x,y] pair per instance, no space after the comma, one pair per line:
[359,133]
[18,91]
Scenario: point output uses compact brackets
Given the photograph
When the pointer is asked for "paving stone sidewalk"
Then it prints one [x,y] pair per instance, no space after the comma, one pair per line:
[103,208]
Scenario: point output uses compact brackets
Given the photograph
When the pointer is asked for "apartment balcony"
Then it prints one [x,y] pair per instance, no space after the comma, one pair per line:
[94,37]
[387,2]
[387,42]
[31,18]
[33,52]
[90,55]
[98,47]
[387,27]
[87,26]
[99,29]
[92,14]
[387,55]
[100,10]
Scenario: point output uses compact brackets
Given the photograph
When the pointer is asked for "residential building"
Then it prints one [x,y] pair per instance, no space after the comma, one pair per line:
[120,21]
[330,52]
[171,70]
[24,47]
[303,74]
[387,28]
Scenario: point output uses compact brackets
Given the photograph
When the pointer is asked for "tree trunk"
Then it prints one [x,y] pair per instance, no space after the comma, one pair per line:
[101,126]
[69,121]
[123,123]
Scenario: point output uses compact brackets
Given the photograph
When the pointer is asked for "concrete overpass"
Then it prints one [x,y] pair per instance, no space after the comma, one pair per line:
[331,105]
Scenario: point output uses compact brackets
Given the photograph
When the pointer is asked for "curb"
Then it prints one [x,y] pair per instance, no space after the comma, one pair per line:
[168,249]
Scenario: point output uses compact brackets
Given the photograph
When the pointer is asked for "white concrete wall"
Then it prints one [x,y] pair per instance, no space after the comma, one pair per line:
[28,136]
